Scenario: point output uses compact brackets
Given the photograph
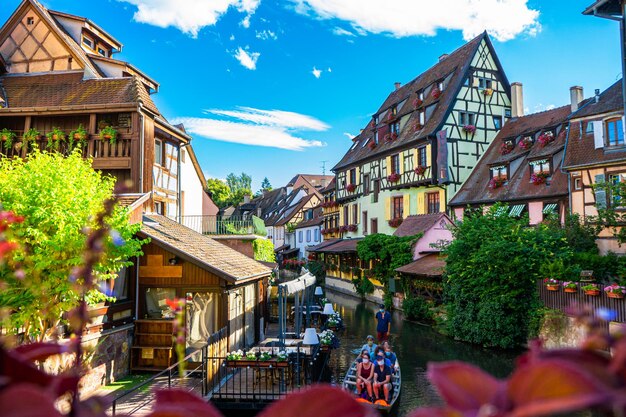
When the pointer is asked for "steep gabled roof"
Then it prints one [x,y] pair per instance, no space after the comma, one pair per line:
[201,250]
[452,69]
[420,223]
[475,190]
[90,25]
[315,221]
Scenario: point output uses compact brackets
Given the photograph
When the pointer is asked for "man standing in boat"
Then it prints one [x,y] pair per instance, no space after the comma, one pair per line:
[383,323]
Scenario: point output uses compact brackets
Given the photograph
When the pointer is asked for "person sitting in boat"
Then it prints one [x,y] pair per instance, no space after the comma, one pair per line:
[379,351]
[382,379]
[364,375]
[370,346]
[393,359]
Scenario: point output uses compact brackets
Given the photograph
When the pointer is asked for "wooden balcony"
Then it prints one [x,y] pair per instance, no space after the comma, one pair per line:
[104,154]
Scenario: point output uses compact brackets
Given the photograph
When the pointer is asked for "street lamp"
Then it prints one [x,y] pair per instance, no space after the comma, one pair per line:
[318,291]
[328,309]
[310,337]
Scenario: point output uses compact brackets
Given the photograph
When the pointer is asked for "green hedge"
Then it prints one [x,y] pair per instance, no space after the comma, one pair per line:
[263,250]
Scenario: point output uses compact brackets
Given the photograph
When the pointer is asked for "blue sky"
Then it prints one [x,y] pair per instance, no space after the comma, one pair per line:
[299,76]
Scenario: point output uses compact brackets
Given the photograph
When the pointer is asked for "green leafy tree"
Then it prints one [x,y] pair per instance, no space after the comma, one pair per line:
[219,192]
[386,253]
[239,182]
[58,198]
[611,215]
[238,196]
[263,250]
[265,186]
[492,267]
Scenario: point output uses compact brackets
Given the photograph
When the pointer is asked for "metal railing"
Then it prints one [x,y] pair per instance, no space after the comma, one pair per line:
[218,225]
[198,376]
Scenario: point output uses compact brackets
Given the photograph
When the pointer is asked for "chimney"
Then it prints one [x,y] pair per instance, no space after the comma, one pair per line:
[397,85]
[517,100]
[576,96]
[246,198]
[597,95]
[442,57]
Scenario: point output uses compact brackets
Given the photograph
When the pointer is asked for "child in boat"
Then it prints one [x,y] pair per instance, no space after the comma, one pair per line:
[382,378]
[370,346]
[390,355]
[364,375]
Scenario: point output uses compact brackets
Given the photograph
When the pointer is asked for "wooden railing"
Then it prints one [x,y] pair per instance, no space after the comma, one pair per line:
[95,147]
[566,302]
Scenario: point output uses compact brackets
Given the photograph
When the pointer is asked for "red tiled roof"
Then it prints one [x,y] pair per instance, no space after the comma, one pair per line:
[432,265]
[452,69]
[416,224]
[69,89]
[330,187]
[580,149]
[322,245]
[475,190]
[340,246]
[315,221]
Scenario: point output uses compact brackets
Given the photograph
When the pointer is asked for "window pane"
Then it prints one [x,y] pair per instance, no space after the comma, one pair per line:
[119,286]
[156,307]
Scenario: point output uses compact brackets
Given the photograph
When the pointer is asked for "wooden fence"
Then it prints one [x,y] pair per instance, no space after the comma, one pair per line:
[564,301]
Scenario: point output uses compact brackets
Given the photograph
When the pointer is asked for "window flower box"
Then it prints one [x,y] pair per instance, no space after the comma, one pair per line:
[506,148]
[435,93]
[343,229]
[539,178]
[469,128]
[351,188]
[420,170]
[417,103]
[371,145]
[391,117]
[418,126]
[496,182]
[395,177]
[395,222]
[526,143]
[615,291]
[487,92]
[394,136]
[352,228]
[545,138]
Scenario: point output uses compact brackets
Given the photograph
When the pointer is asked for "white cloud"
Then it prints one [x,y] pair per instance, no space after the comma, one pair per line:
[329,69]
[250,126]
[349,135]
[342,32]
[503,19]
[245,22]
[189,16]
[232,37]
[246,58]
[316,73]
[266,34]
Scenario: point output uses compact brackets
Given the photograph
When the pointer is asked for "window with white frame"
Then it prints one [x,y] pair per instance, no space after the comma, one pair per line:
[614,129]
[500,171]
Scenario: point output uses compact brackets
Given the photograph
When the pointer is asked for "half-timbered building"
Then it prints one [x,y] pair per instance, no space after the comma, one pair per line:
[522,167]
[423,141]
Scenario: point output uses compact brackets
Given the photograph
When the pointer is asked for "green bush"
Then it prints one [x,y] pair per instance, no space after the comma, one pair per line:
[263,250]
[417,309]
[318,269]
[493,264]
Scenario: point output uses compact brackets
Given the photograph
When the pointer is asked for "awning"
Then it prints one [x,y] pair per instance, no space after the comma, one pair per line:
[431,265]
[341,246]
[281,248]
[322,245]
[516,211]
[549,208]
[298,284]
[291,251]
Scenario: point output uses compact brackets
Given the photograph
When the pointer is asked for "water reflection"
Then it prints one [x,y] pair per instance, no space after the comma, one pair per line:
[415,345]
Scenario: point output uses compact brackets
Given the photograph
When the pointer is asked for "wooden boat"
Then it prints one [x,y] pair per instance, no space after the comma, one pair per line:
[349,384]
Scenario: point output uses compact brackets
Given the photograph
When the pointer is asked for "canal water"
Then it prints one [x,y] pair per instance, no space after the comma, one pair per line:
[415,346]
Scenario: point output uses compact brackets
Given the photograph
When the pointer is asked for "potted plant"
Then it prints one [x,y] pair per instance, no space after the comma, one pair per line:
[395,222]
[391,117]
[591,289]
[352,228]
[251,356]
[615,291]
[526,143]
[496,182]
[506,147]
[538,178]
[570,286]
[420,170]
[372,145]
[31,135]
[551,284]
[235,355]
[7,137]
[393,136]
[545,138]
[435,93]
[418,126]
[109,133]
[54,138]
[417,103]
[395,177]
[387,137]
[351,188]
[469,128]
[282,356]
[79,135]
[265,356]
[488,91]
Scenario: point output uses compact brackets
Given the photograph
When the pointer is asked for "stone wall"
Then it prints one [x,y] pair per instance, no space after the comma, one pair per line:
[107,355]
[560,331]
[346,287]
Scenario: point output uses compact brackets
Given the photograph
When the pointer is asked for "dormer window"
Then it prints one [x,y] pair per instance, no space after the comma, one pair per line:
[420,95]
[500,171]
[394,110]
[395,128]
[440,85]
[103,52]
[87,42]
[541,166]
[422,117]
[614,129]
